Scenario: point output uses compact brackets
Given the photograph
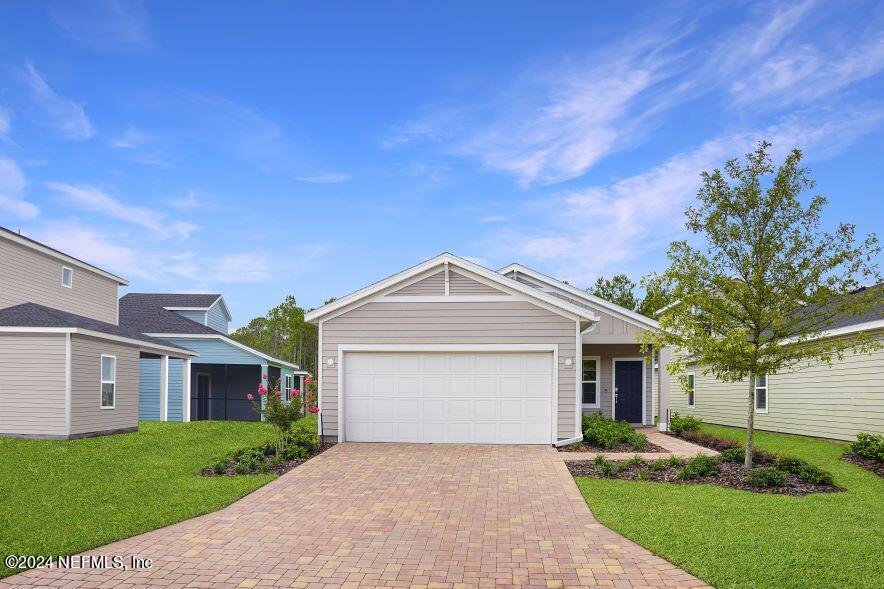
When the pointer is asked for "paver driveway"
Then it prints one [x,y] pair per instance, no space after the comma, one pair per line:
[393,516]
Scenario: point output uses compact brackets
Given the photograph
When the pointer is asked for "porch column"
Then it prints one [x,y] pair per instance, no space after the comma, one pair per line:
[186,412]
[164,388]
[265,380]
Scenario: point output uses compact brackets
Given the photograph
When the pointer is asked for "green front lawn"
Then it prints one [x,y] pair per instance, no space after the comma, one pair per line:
[741,539]
[63,497]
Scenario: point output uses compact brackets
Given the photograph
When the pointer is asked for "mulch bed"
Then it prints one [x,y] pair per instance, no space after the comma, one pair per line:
[583,447]
[871,465]
[730,475]
[759,457]
[278,469]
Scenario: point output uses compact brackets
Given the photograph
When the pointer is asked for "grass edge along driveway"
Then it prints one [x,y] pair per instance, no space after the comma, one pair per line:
[64,497]
[738,539]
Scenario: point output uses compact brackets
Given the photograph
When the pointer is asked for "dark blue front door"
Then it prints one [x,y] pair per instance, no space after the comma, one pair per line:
[628,390]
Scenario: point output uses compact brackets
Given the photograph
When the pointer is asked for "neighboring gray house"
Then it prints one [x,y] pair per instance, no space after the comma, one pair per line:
[67,368]
[218,379]
[451,352]
[836,402]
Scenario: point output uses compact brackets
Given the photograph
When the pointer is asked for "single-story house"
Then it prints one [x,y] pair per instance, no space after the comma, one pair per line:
[218,378]
[819,400]
[449,351]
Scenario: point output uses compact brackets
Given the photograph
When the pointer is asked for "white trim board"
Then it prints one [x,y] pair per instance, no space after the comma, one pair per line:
[614,384]
[620,312]
[474,271]
[232,342]
[465,348]
[175,351]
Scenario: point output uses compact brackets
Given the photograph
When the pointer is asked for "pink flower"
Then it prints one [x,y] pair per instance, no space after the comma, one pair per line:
[314,410]
[278,394]
[262,390]
[279,379]
[308,380]
[295,392]
[264,376]
[250,397]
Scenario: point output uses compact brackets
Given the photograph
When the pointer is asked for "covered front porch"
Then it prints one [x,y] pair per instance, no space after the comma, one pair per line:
[618,382]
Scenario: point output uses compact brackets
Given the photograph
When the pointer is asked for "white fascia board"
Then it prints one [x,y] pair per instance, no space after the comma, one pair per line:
[100,335]
[16,238]
[623,313]
[846,330]
[220,299]
[186,308]
[232,342]
[451,259]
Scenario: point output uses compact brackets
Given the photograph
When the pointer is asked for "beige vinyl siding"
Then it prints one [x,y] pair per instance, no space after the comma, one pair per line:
[32,384]
[607,353]
[611,329]
[86,414]
[28,276]
[515,322]
[433,285]
[817,400]
[460,285]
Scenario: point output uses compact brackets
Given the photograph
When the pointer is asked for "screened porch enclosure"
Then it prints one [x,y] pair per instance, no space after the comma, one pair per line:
[219,391]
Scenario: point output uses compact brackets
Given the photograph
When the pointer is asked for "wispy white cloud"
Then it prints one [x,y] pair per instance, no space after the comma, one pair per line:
[5,124]
[104,24]
[495,218]
[67,116]
[130,138]
[602,229]
[12,187]
[96,200]
[324,178]
[188,203]
[556,121]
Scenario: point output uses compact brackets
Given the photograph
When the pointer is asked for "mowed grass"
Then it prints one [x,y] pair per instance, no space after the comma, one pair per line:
[737,539]
[64,497]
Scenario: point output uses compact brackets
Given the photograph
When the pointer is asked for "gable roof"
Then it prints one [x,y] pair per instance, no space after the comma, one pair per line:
[363,293]
[147,313]
[627,315]
[32,315]
[59,255]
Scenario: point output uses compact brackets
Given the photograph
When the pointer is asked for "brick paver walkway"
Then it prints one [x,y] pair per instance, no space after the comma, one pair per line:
[673,446]
[394,516]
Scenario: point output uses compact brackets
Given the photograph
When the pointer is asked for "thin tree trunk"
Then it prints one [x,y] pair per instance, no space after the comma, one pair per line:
[750,424]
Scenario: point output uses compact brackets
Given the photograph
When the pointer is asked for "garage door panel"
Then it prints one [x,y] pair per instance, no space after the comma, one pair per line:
[498,398]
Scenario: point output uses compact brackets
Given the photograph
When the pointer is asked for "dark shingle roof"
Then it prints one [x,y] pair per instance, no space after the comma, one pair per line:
[874,313]
[34,315]
[146,313]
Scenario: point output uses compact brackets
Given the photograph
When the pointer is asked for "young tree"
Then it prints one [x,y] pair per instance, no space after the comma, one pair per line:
[757,297]
[618,290]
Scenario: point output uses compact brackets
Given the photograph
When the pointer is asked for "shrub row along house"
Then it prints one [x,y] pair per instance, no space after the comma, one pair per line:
[77,361]
[450,351]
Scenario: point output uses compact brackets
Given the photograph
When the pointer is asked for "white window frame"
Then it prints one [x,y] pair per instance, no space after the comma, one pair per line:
[766,388]
[598,368]
[71,270]
[288,383]
[103,382]
[691,393]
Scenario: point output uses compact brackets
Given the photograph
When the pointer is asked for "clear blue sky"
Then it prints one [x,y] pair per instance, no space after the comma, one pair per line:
[266,148]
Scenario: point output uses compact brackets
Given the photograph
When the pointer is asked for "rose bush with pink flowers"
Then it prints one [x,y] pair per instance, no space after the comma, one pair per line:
[278,412]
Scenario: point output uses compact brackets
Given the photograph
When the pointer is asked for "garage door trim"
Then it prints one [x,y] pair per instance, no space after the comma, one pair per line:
[465,348]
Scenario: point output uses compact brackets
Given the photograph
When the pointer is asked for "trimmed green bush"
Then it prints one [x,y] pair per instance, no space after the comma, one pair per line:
[606,433]
[219,467]
[868,446]
[733,455]
[698,466]
[678,425]
[241,468]
[599,460]
[803,470]
[765,476]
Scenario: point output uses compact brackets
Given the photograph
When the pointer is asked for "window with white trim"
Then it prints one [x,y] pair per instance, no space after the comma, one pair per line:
[67,277]
[761,393]
[108,381]
[690,390]
[288,385]
[590,382]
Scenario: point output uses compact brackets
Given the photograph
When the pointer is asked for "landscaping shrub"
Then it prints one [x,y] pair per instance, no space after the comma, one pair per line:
[658,464]
[698,466]
[765,476]
[219,467]
[241,468]
[803,470]
[599,460]
[868,446]
[607,469]
[606,433]
[678,425]
[733,455]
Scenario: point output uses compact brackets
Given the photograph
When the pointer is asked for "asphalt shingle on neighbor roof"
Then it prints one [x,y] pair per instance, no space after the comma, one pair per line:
[34,315]
[147,313]
[875,313]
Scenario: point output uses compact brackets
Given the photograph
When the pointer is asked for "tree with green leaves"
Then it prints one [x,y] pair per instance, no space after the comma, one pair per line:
[758,296]
[282,333]
[619,290]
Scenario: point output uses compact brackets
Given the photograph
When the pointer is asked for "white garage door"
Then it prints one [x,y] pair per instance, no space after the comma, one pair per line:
[484,398]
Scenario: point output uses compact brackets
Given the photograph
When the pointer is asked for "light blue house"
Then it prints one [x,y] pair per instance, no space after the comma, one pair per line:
[214,384]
